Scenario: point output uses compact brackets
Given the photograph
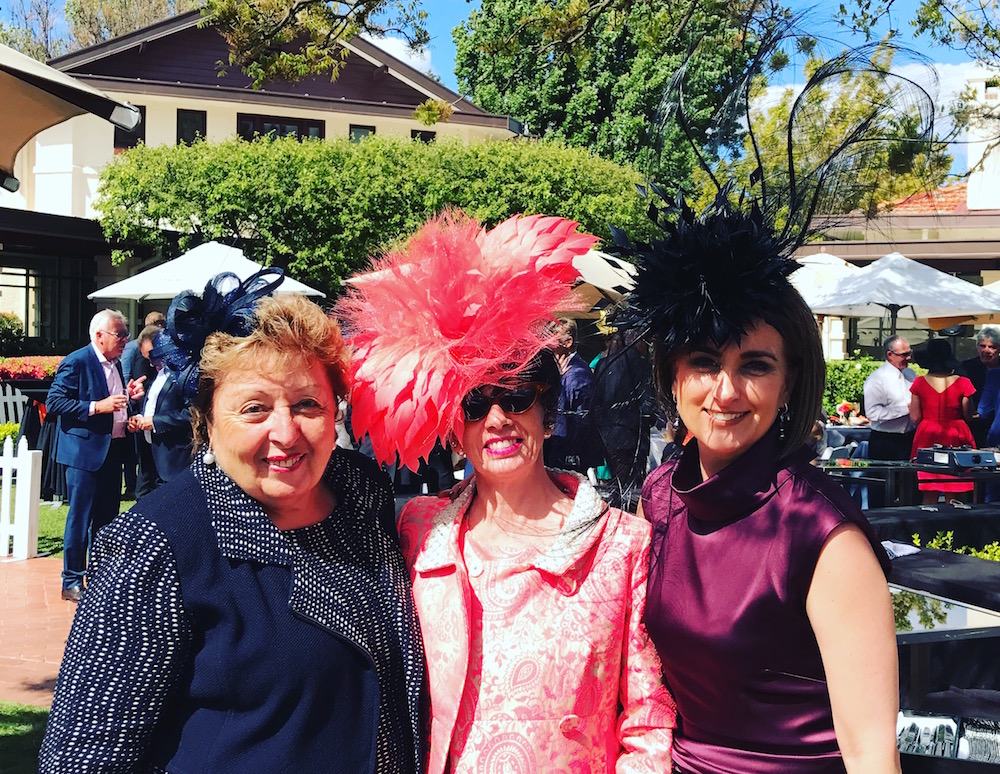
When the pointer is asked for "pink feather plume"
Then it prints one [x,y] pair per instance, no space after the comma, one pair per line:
[446,314]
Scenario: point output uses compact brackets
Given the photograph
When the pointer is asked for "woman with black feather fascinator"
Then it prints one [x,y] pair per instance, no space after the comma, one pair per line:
[767,596]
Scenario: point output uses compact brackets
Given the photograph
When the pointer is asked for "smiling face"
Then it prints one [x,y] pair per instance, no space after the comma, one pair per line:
[272,431]
[729,397]
[505,446]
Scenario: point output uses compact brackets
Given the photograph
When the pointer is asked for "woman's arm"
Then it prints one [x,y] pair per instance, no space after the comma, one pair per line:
[850,609]
[916,414]
[128,644]
[648,715]
[966,408]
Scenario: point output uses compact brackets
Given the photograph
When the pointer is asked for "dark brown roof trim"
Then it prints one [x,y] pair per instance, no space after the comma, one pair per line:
[184,21]
[304,102]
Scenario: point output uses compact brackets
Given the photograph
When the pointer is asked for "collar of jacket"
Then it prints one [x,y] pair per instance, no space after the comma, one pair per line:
[581,532]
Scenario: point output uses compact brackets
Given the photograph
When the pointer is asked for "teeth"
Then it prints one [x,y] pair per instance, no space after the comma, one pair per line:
[723,417]
[287,463]
[505,444]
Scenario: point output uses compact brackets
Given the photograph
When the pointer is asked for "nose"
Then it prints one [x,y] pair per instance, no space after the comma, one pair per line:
[496,417]
[725,387]
[284,430]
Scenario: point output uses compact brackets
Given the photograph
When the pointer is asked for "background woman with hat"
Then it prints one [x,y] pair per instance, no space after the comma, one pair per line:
[940,406]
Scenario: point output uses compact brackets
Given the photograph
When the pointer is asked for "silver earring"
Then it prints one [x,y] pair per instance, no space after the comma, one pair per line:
[208,457]
[784,417]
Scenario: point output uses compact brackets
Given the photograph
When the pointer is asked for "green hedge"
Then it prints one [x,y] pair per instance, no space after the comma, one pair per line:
[845,380]
[322,208]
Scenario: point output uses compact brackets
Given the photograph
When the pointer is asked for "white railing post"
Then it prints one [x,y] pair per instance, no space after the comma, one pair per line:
[6,479]
[27,500]
[22,523]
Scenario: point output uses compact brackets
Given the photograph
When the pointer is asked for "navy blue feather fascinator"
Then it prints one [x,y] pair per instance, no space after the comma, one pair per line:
[226,306]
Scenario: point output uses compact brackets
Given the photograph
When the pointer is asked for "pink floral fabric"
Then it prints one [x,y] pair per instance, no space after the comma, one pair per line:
[531,653]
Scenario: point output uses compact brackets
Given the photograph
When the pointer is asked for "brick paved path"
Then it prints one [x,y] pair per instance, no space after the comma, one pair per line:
[34,624]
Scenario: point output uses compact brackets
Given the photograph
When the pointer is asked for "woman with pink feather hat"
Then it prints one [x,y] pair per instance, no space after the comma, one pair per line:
[530,589]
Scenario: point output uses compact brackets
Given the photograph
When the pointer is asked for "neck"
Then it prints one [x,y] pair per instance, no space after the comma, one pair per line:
[308,510]
[529,503]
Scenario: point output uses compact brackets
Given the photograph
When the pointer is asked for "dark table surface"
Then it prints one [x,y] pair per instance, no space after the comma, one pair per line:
[950,575]
[974,526]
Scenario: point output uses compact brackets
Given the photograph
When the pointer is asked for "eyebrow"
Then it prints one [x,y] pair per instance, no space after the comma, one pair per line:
[750,354]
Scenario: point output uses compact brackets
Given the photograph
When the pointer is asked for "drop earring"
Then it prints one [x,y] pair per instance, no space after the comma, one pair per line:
[784,417]
[208,457]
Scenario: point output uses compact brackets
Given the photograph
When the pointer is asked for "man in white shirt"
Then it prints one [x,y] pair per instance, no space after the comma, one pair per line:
[887,405]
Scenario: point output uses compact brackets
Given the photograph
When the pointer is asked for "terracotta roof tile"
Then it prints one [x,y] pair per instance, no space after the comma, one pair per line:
[948,199]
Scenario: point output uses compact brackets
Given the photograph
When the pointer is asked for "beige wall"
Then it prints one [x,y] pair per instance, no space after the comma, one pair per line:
[60,168]
[984,184]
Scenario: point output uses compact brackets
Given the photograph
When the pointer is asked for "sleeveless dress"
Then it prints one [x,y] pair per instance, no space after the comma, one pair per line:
[732,558]
[942,423]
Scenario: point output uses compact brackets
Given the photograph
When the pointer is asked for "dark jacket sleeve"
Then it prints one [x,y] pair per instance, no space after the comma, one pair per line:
[128,645]
[64,398]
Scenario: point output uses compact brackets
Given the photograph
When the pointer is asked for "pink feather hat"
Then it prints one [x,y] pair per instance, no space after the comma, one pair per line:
[451,311]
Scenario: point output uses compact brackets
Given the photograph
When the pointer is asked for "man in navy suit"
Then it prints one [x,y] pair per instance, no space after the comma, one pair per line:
[91,398]
[163,429]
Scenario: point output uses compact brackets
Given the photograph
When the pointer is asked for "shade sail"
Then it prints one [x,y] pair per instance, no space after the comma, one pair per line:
[35,96]
[191,271]
[895,283]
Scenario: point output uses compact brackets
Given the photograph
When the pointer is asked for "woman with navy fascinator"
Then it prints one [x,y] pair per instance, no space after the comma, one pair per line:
[254,613]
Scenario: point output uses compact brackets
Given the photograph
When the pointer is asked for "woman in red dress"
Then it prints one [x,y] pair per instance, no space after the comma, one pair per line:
[940,406]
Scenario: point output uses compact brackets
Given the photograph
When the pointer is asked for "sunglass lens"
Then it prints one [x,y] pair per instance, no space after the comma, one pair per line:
[475,406]
[518,401]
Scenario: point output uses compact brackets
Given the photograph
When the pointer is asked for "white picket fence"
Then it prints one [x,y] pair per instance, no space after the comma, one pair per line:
[12,403]
[19,530]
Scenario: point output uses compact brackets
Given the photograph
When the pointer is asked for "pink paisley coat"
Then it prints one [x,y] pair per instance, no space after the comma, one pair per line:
[557,637]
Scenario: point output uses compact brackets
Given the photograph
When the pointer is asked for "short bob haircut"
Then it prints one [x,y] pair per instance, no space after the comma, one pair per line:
[290,330]
[790,316]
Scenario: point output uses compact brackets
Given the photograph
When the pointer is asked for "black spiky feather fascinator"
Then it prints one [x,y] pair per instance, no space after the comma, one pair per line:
[708,277]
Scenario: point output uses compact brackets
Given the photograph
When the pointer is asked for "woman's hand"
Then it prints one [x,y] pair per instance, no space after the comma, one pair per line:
[850,609]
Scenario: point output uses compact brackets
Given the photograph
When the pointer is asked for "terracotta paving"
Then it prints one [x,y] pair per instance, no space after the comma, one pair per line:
[34,625]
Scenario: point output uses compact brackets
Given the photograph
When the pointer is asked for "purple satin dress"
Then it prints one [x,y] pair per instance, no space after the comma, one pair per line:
[732,560]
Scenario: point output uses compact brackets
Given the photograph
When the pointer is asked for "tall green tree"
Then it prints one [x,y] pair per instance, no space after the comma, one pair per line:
[894,160]
[33,29]
[592,74]
[94,21]
[972,26]
[321,208]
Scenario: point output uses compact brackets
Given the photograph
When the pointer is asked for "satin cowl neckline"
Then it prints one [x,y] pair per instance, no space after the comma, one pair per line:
[741,487]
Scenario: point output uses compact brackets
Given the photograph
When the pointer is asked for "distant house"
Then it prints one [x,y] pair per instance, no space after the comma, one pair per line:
[52,252]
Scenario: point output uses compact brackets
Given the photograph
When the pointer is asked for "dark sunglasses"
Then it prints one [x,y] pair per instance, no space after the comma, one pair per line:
[477,405]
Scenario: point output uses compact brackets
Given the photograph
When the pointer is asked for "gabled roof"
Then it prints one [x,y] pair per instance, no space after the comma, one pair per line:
[178,54]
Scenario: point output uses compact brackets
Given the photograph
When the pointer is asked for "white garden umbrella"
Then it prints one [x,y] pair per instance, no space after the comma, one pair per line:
[35,96]
[191,271]
[818,273]
[896,283]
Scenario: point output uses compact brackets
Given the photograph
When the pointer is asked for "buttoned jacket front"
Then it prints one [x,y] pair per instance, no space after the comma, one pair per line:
[563,643]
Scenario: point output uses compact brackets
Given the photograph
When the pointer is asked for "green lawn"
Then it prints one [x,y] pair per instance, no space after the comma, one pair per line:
[21,730]
[51,523]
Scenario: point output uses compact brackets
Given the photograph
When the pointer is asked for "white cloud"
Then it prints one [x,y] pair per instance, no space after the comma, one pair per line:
[397,47]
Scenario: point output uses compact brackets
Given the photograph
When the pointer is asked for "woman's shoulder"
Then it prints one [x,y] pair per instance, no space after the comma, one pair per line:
[814,505]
